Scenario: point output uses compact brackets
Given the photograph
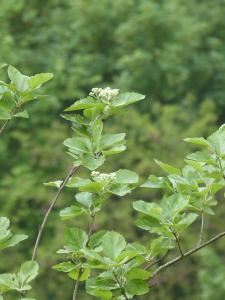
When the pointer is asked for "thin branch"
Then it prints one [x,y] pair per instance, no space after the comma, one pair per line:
[155,262]
[80,271]
[77,284]
[120,285]
[177,241]
[196,249]
[41,229]
[90,229]
[202,230]
[8,120]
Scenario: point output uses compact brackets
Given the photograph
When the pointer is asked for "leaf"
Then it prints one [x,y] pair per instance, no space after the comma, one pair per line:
[113,244]
[56,183]
[18,79]
[151,209]
[138,274]
[28,271]
[125,99]
[7,239]
[155,182]
[84,198]
[217,141]
[168,168]
[96,133]
[79,145]
[136,287]
[75,239]
[71,212]
[126,176]
[198,141]
[64,267]
[92,163]
[109,140]
[84,275]
[22,114]
[37,80]
[88,102]
[4,115]
[161,245]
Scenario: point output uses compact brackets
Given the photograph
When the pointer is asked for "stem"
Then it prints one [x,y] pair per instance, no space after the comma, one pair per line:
[7,121]
[120,285]
[196,249]
[80,271]
[202,230]
[41,229]
[155,262]
[77,285]
[177,241]
[90,229]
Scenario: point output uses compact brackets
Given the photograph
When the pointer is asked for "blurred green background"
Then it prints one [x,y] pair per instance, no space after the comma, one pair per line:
[171,51]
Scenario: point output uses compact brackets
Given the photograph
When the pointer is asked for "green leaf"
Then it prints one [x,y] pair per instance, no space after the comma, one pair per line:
[110,140]
[125,99]
[18,79]
[7,239]
[56,183]
[4,115]
[151,209]
[71,212]
[88,102]
[154,182]
[136,287]
[137,273]
[37,80]
[96,133]
[28,271]
[84,198]
[161,245]
[217,141]
[198,141]
[84,275]
[168,168]
[75,239]
[79,145]
[64,267]
[113,244]
[22,114]
[126,176]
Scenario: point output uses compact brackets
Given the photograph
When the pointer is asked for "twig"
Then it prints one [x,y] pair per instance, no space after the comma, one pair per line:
[177,241]
[80,271]
[77,285]
[37,242]
[202,230]
[91,228]
[155,262]
[196,249]
[120,285]
[7,121]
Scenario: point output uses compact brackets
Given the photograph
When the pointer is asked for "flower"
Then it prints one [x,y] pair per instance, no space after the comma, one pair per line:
[104,95]
[97,176]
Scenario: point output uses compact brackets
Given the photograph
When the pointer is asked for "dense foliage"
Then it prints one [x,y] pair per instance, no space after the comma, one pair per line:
[172,51]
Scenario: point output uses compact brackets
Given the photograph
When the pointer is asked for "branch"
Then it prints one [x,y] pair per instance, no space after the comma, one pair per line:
[177,241]
[201,231]
[77,285]
[7,121]
[80,271]
[196,249]
[37,242]
[120,285]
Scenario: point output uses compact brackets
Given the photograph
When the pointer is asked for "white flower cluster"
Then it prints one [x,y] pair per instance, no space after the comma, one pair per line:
[97,176]
[105,94]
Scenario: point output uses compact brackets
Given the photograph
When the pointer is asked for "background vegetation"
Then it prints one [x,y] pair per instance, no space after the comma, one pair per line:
[172,51]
